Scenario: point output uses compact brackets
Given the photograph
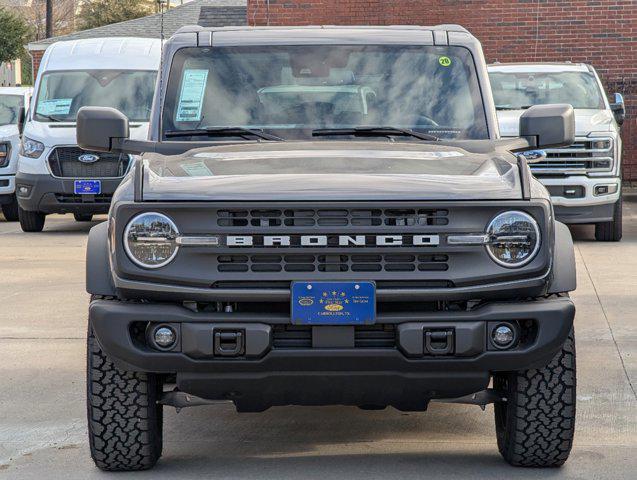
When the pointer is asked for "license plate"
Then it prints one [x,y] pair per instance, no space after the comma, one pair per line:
[88,187]
[333,303]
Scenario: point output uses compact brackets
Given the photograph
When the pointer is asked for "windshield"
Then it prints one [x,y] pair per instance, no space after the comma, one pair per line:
[62,94]
[291,90]
[10,109]
[521,90]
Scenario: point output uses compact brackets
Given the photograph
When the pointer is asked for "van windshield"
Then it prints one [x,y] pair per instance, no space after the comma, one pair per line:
[290,91]
[63,93]
[10,109]
[516,91]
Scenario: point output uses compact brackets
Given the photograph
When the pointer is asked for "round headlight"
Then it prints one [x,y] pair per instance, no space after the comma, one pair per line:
[514,239]
[150,240]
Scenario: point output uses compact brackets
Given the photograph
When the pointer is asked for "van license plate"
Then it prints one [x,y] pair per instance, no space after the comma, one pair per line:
[333,303]
[88,187]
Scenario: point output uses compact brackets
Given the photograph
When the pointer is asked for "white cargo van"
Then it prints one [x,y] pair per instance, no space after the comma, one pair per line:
[14,101]
[54,174]
[584,180]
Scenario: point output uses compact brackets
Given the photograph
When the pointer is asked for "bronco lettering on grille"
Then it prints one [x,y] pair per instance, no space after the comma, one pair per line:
[330,240]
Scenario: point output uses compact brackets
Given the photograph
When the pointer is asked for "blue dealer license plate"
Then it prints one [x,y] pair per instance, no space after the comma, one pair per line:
[333,303]
[88,187]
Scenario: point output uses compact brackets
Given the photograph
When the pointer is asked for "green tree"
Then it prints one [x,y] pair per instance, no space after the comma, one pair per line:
[95,13]
[14,34]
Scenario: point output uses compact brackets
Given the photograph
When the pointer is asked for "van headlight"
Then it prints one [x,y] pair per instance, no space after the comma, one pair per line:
[513,239]
[150,240]
[31,148]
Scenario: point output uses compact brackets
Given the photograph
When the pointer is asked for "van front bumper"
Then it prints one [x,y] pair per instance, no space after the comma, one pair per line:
[48,194]
[268,371]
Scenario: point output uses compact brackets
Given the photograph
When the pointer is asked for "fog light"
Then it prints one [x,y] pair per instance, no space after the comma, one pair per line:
[605,189]
[165,337]
[503,336]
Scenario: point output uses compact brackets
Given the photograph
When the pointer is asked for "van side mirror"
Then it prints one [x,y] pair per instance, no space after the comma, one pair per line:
[548,126]
[618,108]
[98,128]
[21,119]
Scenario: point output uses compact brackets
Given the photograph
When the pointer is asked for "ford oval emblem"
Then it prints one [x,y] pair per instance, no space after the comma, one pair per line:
[88,158]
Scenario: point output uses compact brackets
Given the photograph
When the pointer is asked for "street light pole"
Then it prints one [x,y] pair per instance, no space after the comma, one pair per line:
[49,18]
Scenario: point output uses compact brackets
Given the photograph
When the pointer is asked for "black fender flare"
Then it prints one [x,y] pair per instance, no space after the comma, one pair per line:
[564,271]
[99,280]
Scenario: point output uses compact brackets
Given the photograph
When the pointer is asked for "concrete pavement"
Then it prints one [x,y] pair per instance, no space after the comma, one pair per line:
[42,414]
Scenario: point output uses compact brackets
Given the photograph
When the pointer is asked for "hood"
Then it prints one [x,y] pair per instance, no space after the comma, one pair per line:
[7,131]
[54,134]
[586,121]
[329,170]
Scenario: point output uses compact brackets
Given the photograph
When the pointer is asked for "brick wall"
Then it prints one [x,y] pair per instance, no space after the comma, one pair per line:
[36,57]
[602,33]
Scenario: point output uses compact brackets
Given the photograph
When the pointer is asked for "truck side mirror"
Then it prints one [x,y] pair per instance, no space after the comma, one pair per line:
[21,119]
[99,127]
[548,126]
[618,108]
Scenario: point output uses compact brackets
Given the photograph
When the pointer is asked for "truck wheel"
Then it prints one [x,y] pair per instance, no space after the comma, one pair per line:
[31,221]
[536,422]
[124,418]
[10,210]
[611,231]
[83,217]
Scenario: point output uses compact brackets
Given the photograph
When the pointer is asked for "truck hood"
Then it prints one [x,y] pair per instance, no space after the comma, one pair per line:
[7,131]
[55,134]
[586,121]
[329,170]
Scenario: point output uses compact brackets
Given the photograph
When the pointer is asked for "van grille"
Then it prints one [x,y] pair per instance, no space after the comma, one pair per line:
[64,162]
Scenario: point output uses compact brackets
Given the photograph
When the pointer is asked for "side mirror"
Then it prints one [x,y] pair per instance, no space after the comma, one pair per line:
[21,119]
[619,109]
[548,126]
[98,128]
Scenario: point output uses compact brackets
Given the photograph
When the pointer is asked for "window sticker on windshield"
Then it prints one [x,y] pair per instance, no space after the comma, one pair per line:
[198,169]
[55,106]
[444,61]
[193,88]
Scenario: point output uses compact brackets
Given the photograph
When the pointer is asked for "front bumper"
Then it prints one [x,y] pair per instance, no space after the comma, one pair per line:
[586,207]
[268,373]
[7,187]
[48,194]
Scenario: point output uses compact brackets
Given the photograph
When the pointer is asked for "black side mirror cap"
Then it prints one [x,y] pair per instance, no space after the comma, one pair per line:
[548,126]
[22,114]
[619,108]
[99,127]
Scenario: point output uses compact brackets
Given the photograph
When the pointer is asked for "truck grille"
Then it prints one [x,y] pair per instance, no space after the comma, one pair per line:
[584,156]
[64,162]
[308,217]
[372,262]
[365,336]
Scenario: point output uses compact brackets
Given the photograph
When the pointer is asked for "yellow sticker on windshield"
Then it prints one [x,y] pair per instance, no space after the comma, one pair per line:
[444,61]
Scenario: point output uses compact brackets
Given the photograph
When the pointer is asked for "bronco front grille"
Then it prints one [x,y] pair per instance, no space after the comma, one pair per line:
[583,156]
[64,162]
[364,262]
[308,217]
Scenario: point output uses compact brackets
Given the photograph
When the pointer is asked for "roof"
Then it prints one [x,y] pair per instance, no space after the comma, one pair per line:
[103,53]
[15,90]
[207,13]
[546,67]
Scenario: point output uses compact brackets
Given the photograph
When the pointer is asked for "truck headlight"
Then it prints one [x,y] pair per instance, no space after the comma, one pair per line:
[150,240]
[31,148]
[513,239]
[5,150]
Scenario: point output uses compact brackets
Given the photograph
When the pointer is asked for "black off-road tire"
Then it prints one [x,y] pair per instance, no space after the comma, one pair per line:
[536,423]
[83,217]
[10,210]
[611,231]
[31,221]
[124,418]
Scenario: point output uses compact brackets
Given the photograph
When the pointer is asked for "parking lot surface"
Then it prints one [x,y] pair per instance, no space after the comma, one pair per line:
[42,389]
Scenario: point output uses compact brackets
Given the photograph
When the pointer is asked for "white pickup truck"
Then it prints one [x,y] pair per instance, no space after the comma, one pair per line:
[584,179]
[14,101]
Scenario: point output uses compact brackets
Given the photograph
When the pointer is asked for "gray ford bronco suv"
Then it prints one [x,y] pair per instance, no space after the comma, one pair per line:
[329,216]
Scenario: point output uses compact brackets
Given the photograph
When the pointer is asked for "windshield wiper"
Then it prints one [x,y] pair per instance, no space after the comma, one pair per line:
[50,117]
[224,132]
[373,132]
[506,107]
